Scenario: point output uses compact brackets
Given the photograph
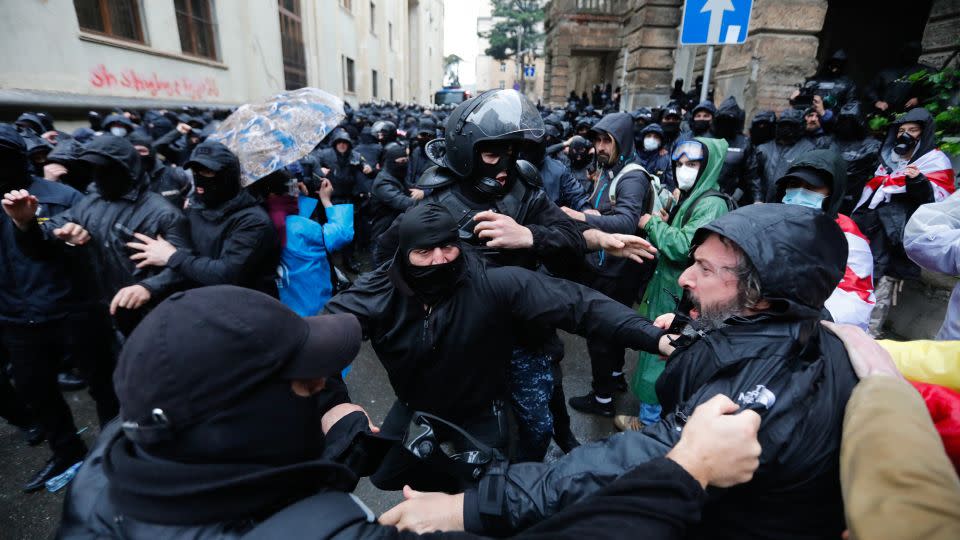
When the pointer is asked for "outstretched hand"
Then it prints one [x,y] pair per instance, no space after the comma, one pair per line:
[21,206]
[627,246]
[152,252]
[426,512]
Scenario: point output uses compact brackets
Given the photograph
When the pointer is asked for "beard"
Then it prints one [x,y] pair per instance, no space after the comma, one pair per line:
[708,317]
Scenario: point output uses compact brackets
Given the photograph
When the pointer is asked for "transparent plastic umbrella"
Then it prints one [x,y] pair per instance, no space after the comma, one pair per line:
[270,135]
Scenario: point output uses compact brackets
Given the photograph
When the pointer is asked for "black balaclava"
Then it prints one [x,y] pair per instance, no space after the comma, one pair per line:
[670,129]
[218,189]
[579,153]
[700,127]
[391,153]
[789,131]
[483,183]
[138,138]
[726,126]
[534,152]
[428,226]
[110,176]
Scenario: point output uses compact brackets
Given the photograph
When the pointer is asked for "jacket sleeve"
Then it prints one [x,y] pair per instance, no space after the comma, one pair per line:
[162,145]
[538,298]
[919,190]
[572,194]
[338,231]
[917,498]
[932,236]
[175,231]
[673,243]
[553,232]
[392,194]
[750,181]
[364,299]
[530,492]
[243,246]
[631,192]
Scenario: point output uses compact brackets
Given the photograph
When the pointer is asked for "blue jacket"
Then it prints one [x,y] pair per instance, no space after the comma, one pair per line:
[561,186]
[304,280]
[38,287]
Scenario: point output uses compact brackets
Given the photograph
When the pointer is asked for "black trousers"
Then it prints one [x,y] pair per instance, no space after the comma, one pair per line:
[606,357]
[12,407]
[36,351]
[400,467]
[92,348]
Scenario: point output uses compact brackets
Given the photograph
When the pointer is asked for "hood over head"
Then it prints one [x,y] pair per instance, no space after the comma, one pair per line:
[15,172]
[118,119]
[620,127]
[824,163]
[66,152]
[729,119]
[799,253]
[764,116]
[31,121]
[118,149]
[928,140]
[709,176]
[706,106]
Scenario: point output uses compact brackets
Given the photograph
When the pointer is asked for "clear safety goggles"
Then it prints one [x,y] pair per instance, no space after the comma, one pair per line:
[692,149]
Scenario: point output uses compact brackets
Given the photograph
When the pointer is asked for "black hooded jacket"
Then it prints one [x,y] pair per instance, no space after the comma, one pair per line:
[632,195]
[739,172]
[451,359]
[782,364]
[173,183]
[776,156]
[883,226]
[111,224]
[829,163]
[233,244]
[859,149]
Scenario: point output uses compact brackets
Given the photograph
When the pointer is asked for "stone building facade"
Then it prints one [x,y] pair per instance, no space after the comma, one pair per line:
[634,44]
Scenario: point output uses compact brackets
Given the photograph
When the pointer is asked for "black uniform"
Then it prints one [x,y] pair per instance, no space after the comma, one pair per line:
[738,177]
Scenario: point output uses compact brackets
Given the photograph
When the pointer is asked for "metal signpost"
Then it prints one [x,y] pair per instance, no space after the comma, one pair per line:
[714,22]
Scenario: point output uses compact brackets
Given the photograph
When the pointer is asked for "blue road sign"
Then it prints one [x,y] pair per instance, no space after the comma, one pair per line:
[715,22]
[529,71]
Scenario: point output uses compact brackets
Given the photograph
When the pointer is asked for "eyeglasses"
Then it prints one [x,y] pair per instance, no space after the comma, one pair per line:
[692,149]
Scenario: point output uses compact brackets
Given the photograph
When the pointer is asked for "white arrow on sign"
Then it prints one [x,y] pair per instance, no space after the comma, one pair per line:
[716,9]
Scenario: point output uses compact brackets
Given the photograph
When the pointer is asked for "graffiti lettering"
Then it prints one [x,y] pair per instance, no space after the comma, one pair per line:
[153,85]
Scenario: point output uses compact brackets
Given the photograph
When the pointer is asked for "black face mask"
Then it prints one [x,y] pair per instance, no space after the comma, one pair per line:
[670,128]
[726,127]
[148,161]
[427,226]
[580,159]
[700,127]
[485,177]
[13,171]
[431,284]
[397,170]
[789,132]
[905,144]
[112,180]
[217,189]
[761,133]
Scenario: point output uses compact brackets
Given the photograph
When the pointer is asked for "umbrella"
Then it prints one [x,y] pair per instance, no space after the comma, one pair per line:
[270,135]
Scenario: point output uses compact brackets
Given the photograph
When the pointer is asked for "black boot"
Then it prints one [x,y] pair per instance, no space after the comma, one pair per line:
[33,434]
[53,467]
[588,404]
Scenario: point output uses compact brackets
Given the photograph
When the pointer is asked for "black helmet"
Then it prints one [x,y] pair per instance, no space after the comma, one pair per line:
[495,115]
[338,135]
[387,128]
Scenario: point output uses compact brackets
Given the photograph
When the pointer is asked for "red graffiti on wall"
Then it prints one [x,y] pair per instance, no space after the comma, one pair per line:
[153,85]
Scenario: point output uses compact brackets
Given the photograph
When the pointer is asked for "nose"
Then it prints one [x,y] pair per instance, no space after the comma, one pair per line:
[438,257]
[686,279]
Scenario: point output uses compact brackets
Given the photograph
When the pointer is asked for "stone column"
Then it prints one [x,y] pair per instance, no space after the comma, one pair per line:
[651,39]
[780,52]
[942,33]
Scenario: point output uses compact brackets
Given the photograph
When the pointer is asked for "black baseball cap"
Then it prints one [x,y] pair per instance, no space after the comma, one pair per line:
[212,155]
[201,351]
[811,176]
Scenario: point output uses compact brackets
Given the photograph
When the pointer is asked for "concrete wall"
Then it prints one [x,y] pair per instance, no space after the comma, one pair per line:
[942,33]
[45,50]
[425,50]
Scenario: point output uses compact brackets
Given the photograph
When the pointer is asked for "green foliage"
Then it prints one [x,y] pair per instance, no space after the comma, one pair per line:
[943,89]
[512,15]
[451,64]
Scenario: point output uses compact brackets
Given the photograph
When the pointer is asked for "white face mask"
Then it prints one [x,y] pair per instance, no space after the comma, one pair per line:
[686,177]
[651,143]
[118,131]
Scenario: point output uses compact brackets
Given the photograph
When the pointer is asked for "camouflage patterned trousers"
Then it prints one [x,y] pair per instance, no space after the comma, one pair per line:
[531,385]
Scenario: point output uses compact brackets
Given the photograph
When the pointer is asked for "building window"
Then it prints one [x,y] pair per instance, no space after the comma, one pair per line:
[373,18]
[348,76]
[390,34]
[196,25]
[347,5]
[503,84]
[503,67]
[115,18]
[374,78]
[391,89]
[291,42]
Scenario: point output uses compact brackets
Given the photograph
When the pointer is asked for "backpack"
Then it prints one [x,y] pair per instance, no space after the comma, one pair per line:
[731,203]
[661,197]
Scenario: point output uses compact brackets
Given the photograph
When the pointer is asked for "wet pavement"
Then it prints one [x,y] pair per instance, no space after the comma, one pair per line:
[36,516]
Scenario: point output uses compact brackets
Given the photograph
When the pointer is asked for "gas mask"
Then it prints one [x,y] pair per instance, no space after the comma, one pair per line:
[905,144]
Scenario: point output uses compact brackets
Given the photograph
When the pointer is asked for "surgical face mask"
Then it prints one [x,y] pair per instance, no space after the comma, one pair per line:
[651,143]
[804,197]
[686,176]
[905,144]
[118,131]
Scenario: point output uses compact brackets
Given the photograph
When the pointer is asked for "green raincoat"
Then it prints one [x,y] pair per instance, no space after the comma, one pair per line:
[672,240]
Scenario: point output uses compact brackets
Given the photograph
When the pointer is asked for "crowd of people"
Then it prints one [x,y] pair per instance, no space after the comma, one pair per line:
[213,323]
